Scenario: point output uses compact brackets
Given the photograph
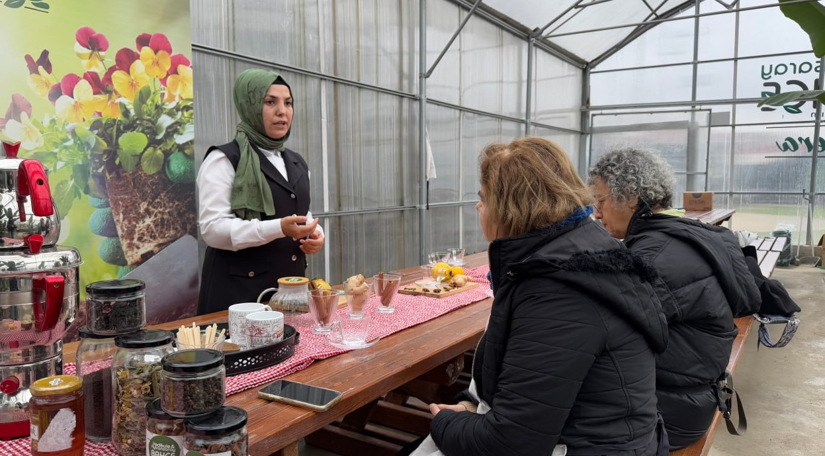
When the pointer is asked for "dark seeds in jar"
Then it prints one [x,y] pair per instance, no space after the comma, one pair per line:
[114,316]
[193,396]
[236,447]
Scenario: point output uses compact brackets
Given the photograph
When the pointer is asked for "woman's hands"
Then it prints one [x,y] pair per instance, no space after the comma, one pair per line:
[435,408]
[313,244]
[293,227]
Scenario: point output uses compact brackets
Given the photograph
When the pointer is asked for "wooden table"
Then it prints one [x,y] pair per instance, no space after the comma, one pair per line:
[362,375]
[714,217]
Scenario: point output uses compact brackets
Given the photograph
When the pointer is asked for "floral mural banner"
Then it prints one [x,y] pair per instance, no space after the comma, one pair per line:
[101,94]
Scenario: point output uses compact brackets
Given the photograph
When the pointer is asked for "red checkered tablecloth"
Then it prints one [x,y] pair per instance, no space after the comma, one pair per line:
[409,311]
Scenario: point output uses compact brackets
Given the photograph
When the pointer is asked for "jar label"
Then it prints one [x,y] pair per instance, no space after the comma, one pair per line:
[198,453]
[163,445]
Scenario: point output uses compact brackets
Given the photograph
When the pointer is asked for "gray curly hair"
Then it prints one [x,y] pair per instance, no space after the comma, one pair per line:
[632,172]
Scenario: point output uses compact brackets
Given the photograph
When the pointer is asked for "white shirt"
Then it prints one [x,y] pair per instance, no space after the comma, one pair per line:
[219,227]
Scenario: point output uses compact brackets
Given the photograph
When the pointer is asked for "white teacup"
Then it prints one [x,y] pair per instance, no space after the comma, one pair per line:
[237,321]
[264,328]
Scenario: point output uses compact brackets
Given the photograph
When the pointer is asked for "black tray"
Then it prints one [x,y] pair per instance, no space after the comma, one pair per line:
[258,358]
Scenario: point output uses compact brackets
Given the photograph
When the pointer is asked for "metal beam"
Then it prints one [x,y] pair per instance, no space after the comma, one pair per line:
[670,19]
[528,111]
[667,104]
[452,38]
[815,156]
[701,62]
[538,32]
[423,184]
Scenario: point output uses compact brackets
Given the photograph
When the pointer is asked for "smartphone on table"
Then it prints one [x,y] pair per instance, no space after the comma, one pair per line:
[300,394]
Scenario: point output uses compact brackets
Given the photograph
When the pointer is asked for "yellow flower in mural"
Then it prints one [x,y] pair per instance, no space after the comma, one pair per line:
[91,48]
[81,106]
[156,64]
[129,84]
[111,109]
[179,86]
[24,131]
[41,82]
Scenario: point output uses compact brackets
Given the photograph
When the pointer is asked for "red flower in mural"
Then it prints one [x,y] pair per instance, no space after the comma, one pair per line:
[91,47]
[157,42]
[19,105]
[94,80]
[42,61]
[55,92]
[40,73]
[124,58]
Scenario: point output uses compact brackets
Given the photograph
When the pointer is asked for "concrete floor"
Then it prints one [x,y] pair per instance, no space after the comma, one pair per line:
[783,389]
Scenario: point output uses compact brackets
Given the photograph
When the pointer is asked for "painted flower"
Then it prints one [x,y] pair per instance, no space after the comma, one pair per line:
[179,86]
[40,73]
[82,105]
[177,60]
[157,42]
[157,64]
[19,105]
[91,48]
[25,132]
[128,84]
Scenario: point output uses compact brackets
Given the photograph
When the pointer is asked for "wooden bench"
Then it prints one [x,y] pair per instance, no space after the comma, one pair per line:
[768,250]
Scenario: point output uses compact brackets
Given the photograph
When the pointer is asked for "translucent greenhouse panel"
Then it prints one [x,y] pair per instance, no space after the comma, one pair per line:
[477,133]
[641,86]
[214,112]
[493,64]
[445,133]
[373,42]
[474,241]
[760,29]
[444,228]
[719,159]
[762,214]
[532,13]
[445,82]
[774,158]
[714,81]
[285,32]
[771,75]
[569,142]
[557,92]
[372,140]
[368,244]
[670,42]
[717,38]
[210,24]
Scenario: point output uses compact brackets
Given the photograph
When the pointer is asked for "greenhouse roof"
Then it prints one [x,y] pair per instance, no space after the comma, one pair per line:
[590,30]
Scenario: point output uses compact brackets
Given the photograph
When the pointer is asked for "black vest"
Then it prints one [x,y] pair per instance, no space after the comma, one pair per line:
[232,277]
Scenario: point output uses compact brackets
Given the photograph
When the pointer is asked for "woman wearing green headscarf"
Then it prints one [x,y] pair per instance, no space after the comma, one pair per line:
[253,196]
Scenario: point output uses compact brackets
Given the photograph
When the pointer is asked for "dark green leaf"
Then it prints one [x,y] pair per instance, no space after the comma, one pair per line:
[767,94]
[63,198]
[124,111]
[163,123]
[788,97]
[792,109]
[152,161]
[80,176]
[48,159]
[811,17]
[42,5]
[140,100]
[14,3]
[188,134]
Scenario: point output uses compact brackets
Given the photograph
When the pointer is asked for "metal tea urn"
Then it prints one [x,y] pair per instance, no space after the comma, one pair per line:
[39,289]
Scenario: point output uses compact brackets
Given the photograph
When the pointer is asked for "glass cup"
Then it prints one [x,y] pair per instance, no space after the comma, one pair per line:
[357,300]
[456,257]
[217,344]
[386,287]
[352,329]
[438,257]
[323,305]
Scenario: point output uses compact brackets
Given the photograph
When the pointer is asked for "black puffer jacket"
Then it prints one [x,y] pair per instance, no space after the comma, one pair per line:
[703,284]
[568,352]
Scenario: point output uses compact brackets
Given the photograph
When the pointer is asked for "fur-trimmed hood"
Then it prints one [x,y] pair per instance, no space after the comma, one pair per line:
[583,257]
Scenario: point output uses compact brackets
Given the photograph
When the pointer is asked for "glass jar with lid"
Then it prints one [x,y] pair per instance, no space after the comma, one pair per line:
[94,366]
[135,382]
[193,382]
[56,411]
[164,433]
[222,432]
[291,295]
[116,306]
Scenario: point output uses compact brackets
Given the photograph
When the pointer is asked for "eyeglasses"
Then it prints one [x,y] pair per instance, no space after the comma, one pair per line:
[597,206]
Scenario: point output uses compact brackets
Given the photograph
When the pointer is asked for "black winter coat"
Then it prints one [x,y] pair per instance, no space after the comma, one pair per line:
[703,284]
[567,357]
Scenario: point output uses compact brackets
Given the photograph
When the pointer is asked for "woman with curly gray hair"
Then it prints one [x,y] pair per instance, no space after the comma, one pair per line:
[703,283]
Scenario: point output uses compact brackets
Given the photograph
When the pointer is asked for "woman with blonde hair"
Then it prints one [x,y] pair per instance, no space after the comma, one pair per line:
[566,365]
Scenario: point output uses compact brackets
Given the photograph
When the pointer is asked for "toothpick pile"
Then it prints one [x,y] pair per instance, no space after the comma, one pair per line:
[192,337]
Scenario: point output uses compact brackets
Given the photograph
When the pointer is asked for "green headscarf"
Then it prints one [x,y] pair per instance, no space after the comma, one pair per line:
[251,196]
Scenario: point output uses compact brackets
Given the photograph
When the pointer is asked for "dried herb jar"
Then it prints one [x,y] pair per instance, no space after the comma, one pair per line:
[116,306]
[221,433]
[56,411]
[164,433]
[94,366]
[193,382]
[136,382]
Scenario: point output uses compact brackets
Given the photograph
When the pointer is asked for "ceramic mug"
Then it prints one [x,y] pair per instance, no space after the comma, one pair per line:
[264,328]
[237,321]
